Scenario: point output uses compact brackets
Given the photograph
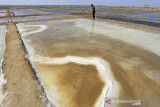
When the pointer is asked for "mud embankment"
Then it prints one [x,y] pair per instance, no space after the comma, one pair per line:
[22,86]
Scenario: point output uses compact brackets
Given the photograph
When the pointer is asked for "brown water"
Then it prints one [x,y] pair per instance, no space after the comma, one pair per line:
[78,85]
[134,64]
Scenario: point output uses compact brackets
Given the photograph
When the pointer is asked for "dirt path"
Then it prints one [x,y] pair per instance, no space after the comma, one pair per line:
[22,86]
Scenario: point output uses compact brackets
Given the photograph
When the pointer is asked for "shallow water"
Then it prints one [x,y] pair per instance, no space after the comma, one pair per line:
[2,14]
[63,49]
[63,10]
[71,84]
[32,18]
[148,16]
[29,18]
[153,15]
[138,18]
[129,23]
[56,10]
[27,12]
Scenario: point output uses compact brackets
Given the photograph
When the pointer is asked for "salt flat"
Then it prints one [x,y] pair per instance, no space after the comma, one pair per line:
[132,57]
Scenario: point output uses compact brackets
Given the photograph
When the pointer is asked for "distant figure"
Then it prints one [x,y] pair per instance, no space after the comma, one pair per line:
[7,13]
[93,11]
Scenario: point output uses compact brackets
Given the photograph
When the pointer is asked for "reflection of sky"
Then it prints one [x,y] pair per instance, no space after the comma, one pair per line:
[153,3]
[2,14]
[147,19]
[63,10]
[17,19]
[27,12]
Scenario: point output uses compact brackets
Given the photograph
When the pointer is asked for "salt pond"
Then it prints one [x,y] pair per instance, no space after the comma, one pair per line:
[2,14]
[64,10]
[29,18]
[79,62]
[27,12]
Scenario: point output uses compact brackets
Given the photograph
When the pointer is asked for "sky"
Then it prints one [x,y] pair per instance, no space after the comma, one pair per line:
[139,3]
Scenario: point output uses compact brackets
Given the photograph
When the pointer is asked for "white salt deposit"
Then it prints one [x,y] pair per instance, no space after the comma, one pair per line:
[2,48]
[22,30]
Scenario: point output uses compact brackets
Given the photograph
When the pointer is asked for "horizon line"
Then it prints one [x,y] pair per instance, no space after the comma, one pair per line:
[72,5]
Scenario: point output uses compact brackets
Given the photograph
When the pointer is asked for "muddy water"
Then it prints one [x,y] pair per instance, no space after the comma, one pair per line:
[77,85]
[133,58]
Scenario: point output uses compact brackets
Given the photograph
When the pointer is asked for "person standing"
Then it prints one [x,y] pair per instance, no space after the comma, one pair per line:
[93,11]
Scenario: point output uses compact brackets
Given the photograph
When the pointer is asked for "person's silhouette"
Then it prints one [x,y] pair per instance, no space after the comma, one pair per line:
[93,11]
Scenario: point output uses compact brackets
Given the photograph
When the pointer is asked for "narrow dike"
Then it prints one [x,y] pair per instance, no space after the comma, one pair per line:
[22,85]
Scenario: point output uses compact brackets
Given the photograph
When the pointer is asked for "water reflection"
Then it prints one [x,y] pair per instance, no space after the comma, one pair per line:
[117,45]
[92,29]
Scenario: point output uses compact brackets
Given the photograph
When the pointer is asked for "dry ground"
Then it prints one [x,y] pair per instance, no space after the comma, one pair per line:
[22,86]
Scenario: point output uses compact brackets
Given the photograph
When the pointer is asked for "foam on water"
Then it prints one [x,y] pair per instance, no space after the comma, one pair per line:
[2,49]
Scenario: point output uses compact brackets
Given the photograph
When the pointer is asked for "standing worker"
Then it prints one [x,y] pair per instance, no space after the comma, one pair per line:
[93,11]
